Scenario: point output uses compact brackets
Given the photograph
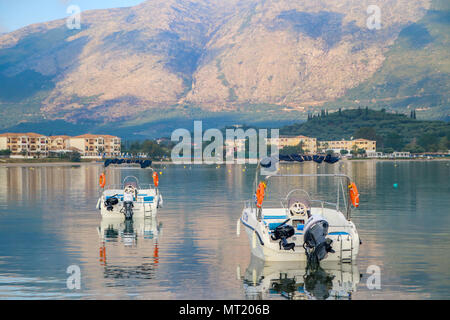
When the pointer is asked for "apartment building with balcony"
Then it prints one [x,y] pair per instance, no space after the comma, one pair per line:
[25,145]
[34,145]
[91,145]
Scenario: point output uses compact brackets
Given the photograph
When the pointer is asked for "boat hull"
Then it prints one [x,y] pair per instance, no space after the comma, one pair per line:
[345,239]
[143,207]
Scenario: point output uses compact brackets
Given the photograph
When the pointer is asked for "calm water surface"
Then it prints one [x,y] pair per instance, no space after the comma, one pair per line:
[48,222]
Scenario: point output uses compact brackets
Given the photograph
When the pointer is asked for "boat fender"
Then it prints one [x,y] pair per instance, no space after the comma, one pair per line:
[155,179]
[354,195]
[102,180]
[260,193]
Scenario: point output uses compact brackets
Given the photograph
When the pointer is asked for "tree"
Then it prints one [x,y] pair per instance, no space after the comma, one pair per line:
[429,141]
[344,152]
[366,133]
[354,150]
[5,152]
[394,140]
[362,152]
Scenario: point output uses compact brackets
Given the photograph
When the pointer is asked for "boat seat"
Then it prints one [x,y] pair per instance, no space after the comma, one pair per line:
[119,195]
[148,199]
[274,225]
[268,217]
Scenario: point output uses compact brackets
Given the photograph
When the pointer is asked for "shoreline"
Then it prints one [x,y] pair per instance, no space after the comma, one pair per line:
[84,163]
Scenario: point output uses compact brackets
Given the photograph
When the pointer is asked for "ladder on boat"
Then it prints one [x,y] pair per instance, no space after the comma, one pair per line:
[345,248]
[148,213]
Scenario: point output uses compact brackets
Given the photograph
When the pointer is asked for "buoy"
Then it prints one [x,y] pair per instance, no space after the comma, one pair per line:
[395,185]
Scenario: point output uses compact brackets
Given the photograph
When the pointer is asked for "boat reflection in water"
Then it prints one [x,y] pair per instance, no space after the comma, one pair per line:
[125,242]
[294,280]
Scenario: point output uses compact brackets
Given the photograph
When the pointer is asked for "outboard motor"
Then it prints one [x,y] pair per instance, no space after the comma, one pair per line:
[282,233]
[315,244]
[128,197]
[128,207]
[111,202]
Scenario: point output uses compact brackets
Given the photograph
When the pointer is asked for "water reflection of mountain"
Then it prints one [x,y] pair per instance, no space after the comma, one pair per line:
[117,235]
[294,281]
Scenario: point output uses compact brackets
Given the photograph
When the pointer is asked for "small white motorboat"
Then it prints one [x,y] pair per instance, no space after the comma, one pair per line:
[296,227]
[295,281]
[131,199]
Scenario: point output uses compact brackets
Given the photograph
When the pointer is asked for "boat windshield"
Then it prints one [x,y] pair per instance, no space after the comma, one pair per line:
[318,190]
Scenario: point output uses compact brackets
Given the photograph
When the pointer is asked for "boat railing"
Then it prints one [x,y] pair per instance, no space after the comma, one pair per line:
[121,186]
[272,204]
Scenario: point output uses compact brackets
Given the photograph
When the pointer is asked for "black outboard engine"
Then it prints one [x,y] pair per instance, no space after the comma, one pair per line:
[315,244]
[282,232]
[111,202]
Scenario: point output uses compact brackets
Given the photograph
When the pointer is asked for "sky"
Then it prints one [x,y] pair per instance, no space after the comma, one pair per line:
[15,14]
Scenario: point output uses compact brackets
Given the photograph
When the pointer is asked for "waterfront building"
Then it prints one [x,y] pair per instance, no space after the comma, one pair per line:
[309,144]
[35,145]
[349,145]
[91,145]
[25,145]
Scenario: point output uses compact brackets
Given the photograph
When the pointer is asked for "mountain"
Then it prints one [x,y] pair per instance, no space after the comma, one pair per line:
[416,70]
[165,62]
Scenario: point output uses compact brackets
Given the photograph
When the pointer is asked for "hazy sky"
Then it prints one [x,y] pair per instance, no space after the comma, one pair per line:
[15,14]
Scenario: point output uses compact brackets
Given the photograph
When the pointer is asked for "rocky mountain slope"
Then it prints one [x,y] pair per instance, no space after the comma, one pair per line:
[163,59]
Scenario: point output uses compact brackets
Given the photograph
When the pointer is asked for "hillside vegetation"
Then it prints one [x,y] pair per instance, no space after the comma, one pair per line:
[391,131]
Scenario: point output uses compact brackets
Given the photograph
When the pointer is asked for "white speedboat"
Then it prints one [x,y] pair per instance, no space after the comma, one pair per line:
[295,281]
[131,199]
[297,227]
